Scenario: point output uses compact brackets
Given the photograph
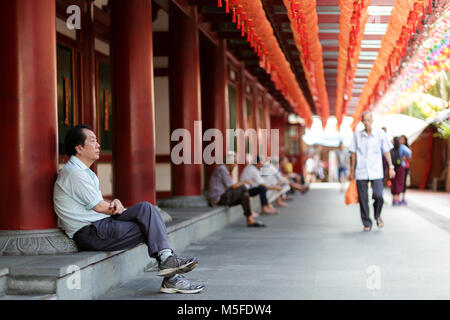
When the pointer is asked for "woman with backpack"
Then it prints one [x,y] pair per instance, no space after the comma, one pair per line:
[398,153]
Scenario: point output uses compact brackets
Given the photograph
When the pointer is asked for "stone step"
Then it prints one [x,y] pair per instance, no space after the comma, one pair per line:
[3,279]
[30,297]
[87,275]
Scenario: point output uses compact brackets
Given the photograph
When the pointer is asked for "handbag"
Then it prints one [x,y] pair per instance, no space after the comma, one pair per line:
[351,195]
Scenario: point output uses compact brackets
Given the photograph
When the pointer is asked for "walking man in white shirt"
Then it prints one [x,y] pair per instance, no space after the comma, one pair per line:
[367,148]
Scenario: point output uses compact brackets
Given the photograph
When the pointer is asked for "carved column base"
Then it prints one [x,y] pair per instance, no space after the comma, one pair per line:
[166,217]
[35,242]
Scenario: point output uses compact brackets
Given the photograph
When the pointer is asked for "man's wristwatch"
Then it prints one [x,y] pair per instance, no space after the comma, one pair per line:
[391,166]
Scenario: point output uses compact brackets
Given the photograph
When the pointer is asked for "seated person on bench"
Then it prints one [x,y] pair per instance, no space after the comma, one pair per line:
[258,187]
[99,225]
[222,191]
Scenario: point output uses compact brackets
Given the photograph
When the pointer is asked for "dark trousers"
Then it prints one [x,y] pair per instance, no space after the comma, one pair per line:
[233,197]
[363,197]
[404,180]
[139,223]
[398,183]
[262,191]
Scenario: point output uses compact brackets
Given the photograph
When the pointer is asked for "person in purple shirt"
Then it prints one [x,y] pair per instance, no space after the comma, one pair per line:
[222,191]
[398,154]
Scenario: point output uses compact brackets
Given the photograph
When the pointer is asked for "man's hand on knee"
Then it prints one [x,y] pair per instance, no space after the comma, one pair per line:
[117,206]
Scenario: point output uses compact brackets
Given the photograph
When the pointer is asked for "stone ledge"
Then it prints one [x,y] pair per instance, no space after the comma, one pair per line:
[35,242]
[100,271]
[3,272]
[3,280]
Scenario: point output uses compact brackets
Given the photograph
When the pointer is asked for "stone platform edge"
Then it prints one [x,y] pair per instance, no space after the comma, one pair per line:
[88,275]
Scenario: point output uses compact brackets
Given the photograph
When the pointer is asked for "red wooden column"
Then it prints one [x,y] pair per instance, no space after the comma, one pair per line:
[241,111]
[133,96]
[267,105]
[184,91]
[28,125]
[215,113]
[88,56]
[88,110]
[278,122]
[221,110]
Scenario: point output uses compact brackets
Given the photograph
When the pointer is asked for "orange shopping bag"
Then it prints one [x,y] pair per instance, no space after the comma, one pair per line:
[351,195]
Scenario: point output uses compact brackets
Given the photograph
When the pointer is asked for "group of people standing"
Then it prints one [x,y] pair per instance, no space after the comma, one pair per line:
[401,156]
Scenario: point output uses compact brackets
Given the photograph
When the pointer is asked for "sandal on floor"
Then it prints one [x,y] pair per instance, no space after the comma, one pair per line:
[256,224]
[380,223]
[367,229]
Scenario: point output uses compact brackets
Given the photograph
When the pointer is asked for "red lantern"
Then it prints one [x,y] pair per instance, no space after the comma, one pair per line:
[419,7]
[352,40]
[350,52]
[355,23]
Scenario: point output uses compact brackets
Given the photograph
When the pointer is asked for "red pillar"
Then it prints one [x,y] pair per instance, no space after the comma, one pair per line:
[88,110]
[28,125]
[132,87]
[241,111]
[278,122]
[184,90]
[214,95]
[267,106]
[221,112]
[88,63]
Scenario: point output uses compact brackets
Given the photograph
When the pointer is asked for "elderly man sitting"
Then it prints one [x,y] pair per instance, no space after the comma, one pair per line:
[273,177]
[294,178]
[222,190]
[252,172]
[96,224]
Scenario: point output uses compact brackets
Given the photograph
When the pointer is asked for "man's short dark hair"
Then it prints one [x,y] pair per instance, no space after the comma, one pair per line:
[75,137]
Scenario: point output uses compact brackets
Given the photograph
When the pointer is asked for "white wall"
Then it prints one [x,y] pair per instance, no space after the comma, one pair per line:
[61,27]
[162,115]
[104,173]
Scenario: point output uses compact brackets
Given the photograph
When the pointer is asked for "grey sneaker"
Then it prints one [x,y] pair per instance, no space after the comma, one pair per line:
[174,264]
[179,284]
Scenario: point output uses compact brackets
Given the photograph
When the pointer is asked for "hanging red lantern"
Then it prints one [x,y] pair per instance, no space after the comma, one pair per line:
[419,7]
[352,39]
[355,22]
[295,8]
[358,5]
[350,52]
[413,20]
[430,6]
[233,4]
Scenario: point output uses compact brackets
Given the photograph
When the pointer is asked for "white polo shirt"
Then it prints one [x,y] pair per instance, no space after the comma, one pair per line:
[76,192]
[252,173]
[369,150]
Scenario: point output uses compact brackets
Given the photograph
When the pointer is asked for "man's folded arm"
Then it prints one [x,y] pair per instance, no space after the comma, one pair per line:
[104,207]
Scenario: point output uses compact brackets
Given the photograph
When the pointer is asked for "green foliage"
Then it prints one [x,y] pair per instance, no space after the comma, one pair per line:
[443,130]
[442,87]
[415,111]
